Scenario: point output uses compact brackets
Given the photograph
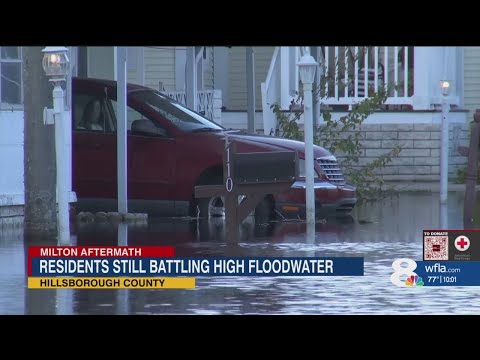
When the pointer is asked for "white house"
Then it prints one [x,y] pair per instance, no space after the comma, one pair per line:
[411,119]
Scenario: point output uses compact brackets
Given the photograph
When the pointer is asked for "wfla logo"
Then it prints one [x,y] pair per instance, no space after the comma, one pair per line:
[401,271]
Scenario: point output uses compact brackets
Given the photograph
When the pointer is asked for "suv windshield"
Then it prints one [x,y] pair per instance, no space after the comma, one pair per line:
[180,116]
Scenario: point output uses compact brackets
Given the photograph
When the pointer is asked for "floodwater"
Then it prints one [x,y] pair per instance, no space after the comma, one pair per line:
[380,232]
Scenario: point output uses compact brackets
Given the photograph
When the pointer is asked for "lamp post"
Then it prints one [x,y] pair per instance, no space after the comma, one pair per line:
[55,65]
[307,67]
[445,88]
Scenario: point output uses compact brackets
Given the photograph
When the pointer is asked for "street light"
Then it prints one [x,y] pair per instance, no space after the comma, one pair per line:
[445,86]
[307,67]
[55,64]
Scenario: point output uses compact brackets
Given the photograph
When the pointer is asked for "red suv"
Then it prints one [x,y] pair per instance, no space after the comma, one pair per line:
[171,149]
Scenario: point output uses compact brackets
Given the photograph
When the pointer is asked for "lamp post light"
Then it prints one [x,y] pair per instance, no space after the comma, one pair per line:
[445,86]
[307,67]
[55,64]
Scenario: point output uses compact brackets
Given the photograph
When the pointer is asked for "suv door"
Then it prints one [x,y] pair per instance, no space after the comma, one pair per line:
[151,162]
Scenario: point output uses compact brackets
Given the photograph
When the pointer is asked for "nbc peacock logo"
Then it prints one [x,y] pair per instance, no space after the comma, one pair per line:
[414,280]
[404,274]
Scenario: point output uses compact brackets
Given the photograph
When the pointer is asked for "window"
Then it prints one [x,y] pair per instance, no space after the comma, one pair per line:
[139,123]
[11,75]
[90,113]
[132,114]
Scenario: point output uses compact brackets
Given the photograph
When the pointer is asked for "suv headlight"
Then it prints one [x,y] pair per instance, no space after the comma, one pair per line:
[301,169]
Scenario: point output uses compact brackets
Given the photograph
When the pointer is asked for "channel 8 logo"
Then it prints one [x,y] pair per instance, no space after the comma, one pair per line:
[404,275]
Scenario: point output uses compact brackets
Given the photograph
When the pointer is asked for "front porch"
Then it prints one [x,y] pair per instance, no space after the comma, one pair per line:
[411,75]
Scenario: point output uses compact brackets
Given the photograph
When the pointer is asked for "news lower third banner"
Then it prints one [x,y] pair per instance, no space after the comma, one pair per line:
[411,273]
[153,267]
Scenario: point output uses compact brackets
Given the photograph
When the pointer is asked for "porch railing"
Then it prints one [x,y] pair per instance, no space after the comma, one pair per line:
[351,74]
[354,73]
[209,102]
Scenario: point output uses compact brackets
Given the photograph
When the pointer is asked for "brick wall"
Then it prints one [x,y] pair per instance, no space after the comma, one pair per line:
[419,159]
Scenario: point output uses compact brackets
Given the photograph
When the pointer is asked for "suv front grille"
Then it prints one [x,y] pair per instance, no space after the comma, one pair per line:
[331,169]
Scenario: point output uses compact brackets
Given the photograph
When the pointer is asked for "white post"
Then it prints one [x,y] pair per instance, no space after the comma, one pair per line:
[67,120]
[62,167]
[122,168]
[309,161]
[444,152]
[445,91]
[307,66]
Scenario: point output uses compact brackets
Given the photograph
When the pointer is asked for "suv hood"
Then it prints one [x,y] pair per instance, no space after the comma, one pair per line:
[273,143]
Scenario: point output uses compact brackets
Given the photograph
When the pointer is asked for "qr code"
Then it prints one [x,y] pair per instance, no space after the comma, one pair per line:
[435,248]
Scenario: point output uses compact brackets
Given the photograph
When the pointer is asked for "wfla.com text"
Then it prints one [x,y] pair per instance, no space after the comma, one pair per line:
[439,268]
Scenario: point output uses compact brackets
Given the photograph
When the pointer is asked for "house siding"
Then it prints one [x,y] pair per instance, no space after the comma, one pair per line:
[100,60]
[238,77]
[133,64]
[472,78]
[160,67]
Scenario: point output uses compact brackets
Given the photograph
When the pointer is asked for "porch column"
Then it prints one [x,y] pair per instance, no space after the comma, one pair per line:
[199,61]
[250,88]
[121,75]
[180,67]
[421,76]
[191,79]
[285,76]
[429,68]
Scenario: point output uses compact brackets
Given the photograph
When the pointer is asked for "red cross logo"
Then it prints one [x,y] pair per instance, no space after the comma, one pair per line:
[462,243]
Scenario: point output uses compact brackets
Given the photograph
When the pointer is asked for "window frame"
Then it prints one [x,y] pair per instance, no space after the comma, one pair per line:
[8,106]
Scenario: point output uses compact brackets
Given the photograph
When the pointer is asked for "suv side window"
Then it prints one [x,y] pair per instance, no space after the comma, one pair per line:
[90,114]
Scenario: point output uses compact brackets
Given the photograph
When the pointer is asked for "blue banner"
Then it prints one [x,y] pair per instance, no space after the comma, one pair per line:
[236,266]
[449,273]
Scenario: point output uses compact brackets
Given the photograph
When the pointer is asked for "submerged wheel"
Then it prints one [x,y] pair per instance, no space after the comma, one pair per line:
[214,206]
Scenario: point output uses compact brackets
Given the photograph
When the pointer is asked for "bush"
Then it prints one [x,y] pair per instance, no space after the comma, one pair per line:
[462,174]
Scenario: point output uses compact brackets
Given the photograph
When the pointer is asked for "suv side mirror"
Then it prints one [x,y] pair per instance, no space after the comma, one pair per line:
[147,127]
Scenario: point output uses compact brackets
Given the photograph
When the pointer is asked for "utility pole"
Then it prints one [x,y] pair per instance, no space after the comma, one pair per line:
[472,173]
[39,150]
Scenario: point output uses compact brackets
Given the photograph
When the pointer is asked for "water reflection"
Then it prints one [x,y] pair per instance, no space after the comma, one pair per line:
[380,232]
[443,216]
